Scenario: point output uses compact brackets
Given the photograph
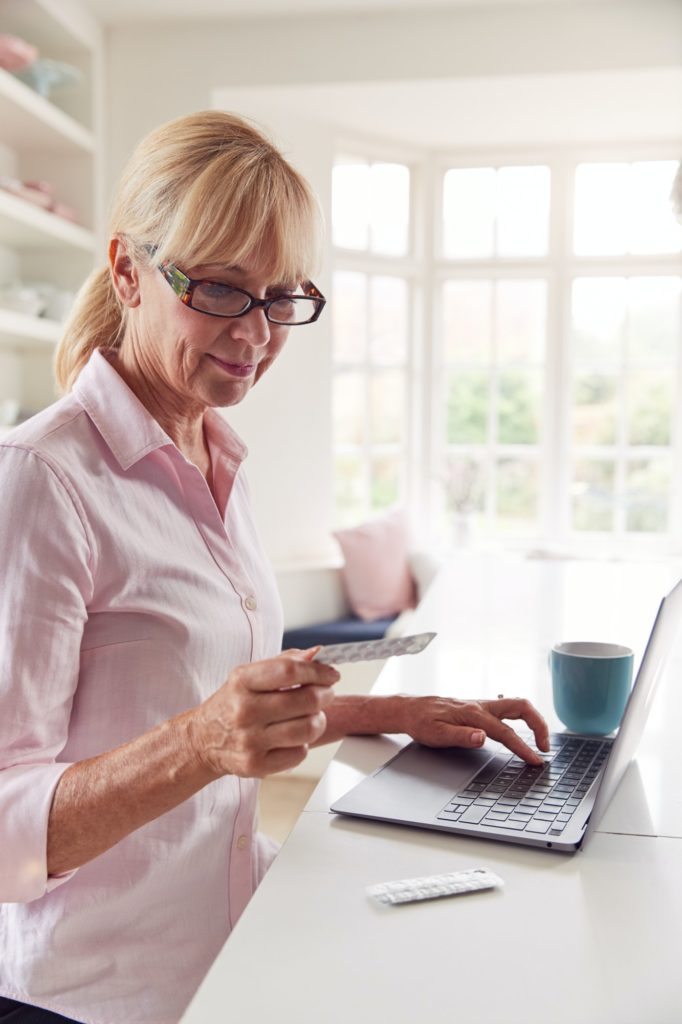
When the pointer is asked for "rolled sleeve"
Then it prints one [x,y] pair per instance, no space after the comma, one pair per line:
[25,799]
[46,572]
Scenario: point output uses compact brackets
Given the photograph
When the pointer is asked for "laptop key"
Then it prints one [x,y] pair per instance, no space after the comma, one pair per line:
[473,815]
[537,826]
[490,770]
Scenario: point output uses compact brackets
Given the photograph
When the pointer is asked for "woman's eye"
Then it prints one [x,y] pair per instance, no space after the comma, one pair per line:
[283,304]
[216,291]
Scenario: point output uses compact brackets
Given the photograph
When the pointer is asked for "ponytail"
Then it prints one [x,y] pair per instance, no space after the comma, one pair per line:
[95,321]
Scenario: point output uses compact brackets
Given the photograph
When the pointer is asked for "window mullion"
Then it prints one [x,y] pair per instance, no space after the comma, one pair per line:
[555,470]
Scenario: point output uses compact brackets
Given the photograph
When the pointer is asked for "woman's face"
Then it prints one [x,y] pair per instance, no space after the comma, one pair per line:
[204,360]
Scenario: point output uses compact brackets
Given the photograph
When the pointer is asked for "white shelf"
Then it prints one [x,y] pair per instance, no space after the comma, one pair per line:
[19,330]
[56,140]
[26,226]
[30,122]
[52,25]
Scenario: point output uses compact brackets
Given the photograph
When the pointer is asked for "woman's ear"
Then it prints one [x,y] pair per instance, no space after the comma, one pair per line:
[124,273]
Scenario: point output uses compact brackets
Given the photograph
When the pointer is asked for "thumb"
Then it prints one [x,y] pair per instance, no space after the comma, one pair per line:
[463,736]
[297,652]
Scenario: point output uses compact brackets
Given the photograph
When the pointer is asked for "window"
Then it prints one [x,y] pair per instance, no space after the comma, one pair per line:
[371,304]
[553,336]
[490,211]
[625,338]
[371,206]
[494,335]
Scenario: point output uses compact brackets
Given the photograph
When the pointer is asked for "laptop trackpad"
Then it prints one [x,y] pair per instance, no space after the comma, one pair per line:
[417,783]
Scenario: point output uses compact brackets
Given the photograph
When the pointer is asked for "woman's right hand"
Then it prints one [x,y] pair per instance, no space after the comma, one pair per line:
[264,717]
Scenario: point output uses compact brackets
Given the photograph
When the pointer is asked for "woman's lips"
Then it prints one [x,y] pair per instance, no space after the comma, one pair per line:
[235,369]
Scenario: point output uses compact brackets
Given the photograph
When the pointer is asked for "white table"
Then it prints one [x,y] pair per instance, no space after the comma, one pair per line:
[594,937]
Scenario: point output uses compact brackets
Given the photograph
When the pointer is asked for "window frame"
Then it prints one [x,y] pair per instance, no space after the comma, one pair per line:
[410,268]
[425,268]
[560,267]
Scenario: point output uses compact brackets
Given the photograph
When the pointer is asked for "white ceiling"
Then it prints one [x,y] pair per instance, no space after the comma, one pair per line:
[148,10]
[641,105]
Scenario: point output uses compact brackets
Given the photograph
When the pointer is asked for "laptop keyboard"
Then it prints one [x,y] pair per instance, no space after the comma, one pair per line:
[511,794]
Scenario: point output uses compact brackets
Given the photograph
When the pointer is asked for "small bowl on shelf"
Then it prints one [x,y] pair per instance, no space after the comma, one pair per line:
[46,76]
[16,53]
[23,298]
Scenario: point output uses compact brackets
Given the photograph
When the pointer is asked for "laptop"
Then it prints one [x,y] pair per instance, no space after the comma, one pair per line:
[493,794]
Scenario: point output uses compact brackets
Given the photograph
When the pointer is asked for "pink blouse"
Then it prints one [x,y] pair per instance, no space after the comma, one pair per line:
[127,597]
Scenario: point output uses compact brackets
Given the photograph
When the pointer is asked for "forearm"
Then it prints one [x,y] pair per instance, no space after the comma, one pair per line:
[365,716]
[99,801]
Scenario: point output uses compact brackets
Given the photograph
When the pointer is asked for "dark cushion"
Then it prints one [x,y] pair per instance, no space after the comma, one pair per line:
[340,631]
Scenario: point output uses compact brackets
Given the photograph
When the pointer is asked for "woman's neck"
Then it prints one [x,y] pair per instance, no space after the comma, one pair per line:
[183,423]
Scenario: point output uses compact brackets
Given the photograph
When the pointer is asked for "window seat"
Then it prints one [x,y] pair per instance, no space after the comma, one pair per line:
[337,631]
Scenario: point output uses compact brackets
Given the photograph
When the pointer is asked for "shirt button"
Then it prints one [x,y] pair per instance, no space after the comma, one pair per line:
[251,603]
[242,842]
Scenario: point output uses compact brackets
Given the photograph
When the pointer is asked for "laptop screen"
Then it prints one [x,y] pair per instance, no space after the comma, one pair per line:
[659,646]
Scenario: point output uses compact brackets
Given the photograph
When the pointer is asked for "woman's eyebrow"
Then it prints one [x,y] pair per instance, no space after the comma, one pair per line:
[220,268]
[225,268]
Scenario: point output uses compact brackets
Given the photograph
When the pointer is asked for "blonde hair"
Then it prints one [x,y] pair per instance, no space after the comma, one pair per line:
[206,188]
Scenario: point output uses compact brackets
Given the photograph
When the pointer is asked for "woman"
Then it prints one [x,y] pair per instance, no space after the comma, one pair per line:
[141,689]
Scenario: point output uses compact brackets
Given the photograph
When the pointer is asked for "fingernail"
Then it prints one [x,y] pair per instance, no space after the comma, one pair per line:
[477,738]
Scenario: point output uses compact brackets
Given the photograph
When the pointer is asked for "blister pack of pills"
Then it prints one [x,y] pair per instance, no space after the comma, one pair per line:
[430,887]
[370,650]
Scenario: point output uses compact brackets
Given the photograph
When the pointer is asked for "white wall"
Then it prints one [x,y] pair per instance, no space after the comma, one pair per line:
[156,72]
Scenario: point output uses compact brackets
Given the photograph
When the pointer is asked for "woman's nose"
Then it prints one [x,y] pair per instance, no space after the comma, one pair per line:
[254,326]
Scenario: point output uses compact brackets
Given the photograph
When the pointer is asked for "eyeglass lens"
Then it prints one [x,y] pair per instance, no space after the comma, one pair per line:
[220,300]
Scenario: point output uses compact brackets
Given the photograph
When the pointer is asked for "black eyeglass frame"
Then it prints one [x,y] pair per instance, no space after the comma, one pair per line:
[184,287]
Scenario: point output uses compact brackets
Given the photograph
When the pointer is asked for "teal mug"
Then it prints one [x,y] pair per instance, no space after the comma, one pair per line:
[591,684]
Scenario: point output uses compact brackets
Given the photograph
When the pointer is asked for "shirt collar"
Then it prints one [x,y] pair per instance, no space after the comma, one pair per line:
[125,424]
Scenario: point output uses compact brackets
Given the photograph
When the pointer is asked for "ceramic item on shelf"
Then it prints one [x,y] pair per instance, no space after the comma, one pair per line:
[23,298]
[37,196]
[46,76]
[12,412]
[65,211]
[57,301]
[45,188]
[9,412]
[16,53]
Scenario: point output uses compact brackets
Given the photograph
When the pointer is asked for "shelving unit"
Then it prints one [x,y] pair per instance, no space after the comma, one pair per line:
[57,140]
[31,122]
[25,226]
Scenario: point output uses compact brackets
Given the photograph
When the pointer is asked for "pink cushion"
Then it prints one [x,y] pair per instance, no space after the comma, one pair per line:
[376,573]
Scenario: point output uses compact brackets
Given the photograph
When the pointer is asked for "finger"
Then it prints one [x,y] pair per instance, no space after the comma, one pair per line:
[445,734]
[521,710]
[306,655]
[505,734]
[283,672]
[282,759]
[294,733]
[284,705]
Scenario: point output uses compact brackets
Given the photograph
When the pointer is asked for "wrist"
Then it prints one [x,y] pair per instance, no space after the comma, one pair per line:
[399,713]
[192,749]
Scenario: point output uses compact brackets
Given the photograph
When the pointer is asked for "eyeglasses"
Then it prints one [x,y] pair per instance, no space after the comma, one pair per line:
[218,299]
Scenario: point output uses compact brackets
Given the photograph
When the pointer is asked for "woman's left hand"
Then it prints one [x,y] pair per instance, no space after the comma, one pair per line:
[445,722]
